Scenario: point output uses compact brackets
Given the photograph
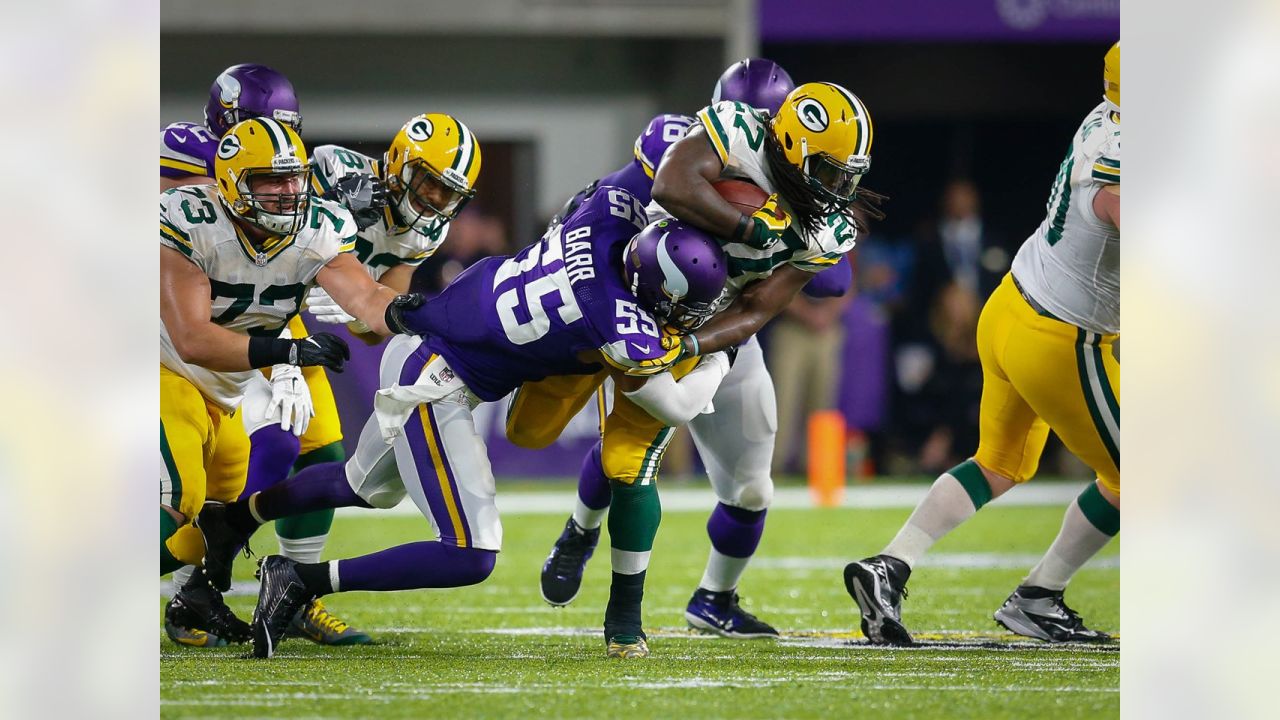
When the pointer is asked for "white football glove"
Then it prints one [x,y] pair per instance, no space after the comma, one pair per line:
[290,399]
[324,308]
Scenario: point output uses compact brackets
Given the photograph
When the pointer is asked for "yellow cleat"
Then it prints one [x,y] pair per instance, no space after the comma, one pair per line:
[322,627]
[627,646]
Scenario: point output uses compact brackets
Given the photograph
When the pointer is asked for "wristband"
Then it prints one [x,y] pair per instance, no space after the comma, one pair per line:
[268,351]
[744,229]
[690,340]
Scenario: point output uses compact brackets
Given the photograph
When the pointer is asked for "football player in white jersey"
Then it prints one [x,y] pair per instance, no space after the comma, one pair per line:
[235,260]
[810,157]
[403,204]
[1046,341]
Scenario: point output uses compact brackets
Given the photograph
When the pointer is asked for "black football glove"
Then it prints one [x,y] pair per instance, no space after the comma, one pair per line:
[363,195]
[324,349]
[398,308]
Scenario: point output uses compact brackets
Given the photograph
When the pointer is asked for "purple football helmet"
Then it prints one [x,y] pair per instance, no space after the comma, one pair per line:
[247,91]
[676,271]
[760,83]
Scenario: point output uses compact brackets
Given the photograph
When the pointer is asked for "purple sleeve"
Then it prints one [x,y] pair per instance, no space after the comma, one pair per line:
[661,132]
[832,282]
[634,179]
[186,149]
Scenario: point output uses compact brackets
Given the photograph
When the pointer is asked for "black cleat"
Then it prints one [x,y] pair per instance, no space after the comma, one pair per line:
[562,572]
[221,543]
[197,616]
[280,598]
[878,585]
[1042,614]
[719,613]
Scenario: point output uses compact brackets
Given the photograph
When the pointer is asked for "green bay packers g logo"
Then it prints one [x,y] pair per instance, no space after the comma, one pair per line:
[229,146]
[812,115]
[419,129]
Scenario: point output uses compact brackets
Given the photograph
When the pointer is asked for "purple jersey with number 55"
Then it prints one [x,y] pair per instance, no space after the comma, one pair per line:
[186,149]
[514,319]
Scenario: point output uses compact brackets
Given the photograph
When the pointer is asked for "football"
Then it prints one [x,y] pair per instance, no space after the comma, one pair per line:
[745,196]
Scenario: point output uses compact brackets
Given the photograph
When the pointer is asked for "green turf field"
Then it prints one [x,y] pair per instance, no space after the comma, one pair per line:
[497,650]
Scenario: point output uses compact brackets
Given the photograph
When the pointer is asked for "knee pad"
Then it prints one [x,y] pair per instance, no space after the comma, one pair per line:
[382,490]
[755,494]
[187,545]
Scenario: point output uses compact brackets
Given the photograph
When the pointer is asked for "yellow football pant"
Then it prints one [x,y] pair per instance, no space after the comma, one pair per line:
[633,442]
[204,455]
[1039,373]
[325,428]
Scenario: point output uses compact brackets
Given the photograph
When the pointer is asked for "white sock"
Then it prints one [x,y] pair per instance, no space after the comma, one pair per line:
[181,576]
[1077,541]
[626,562]
[723,572]
[303,550]
[942,510]
[588,518]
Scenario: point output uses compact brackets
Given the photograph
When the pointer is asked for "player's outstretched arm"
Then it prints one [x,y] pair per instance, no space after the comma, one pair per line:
[676,402]
[355,292]
[759,303]
[682,185]
[186,310]
[1106,204]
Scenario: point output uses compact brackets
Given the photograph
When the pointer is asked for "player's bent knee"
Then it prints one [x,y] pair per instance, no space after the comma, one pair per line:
[472,565]
[381,498]
[755,495]
[531,436]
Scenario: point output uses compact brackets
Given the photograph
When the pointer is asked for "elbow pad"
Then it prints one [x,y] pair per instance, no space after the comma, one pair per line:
[676,403]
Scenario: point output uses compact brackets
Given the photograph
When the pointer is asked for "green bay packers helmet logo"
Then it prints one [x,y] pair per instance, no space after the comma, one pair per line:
[812,114]
[419,129]
[229,146]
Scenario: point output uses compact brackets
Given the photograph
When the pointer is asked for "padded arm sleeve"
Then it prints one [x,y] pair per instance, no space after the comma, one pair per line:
[676,403]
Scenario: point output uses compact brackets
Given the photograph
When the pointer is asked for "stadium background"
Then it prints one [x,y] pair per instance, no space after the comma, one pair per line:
[556,90]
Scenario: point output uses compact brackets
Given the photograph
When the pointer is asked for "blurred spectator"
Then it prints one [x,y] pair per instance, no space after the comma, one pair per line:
[804,357]
[958,261]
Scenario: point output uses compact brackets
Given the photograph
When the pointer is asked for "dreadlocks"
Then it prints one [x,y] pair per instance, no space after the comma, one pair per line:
[808,207]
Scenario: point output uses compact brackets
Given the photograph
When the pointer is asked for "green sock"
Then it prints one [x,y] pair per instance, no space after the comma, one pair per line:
[1101,514]
[318,522]
[634,516]
[973,482]
[168,526]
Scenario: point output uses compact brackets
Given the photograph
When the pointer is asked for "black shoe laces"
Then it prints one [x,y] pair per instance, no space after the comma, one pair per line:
[570,554]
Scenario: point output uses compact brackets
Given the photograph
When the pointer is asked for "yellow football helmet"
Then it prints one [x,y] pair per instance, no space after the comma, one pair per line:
[264,152]
[1111,76]
[826,131]
[431,171]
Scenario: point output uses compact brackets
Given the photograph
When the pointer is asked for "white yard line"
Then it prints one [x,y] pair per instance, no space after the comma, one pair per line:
[889,495]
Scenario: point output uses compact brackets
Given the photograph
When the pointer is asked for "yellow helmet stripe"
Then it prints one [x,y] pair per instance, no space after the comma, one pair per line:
[862,120]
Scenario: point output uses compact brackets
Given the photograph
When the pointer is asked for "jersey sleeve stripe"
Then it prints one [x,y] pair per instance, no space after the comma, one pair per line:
[347,246]
[1105,173]
[186,167]
[168,240]
[719,139]
[318,183]
[644,162]
[175,232]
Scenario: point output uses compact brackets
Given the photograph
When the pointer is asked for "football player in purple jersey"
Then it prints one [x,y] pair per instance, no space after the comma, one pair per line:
[594,296]
[294,421]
